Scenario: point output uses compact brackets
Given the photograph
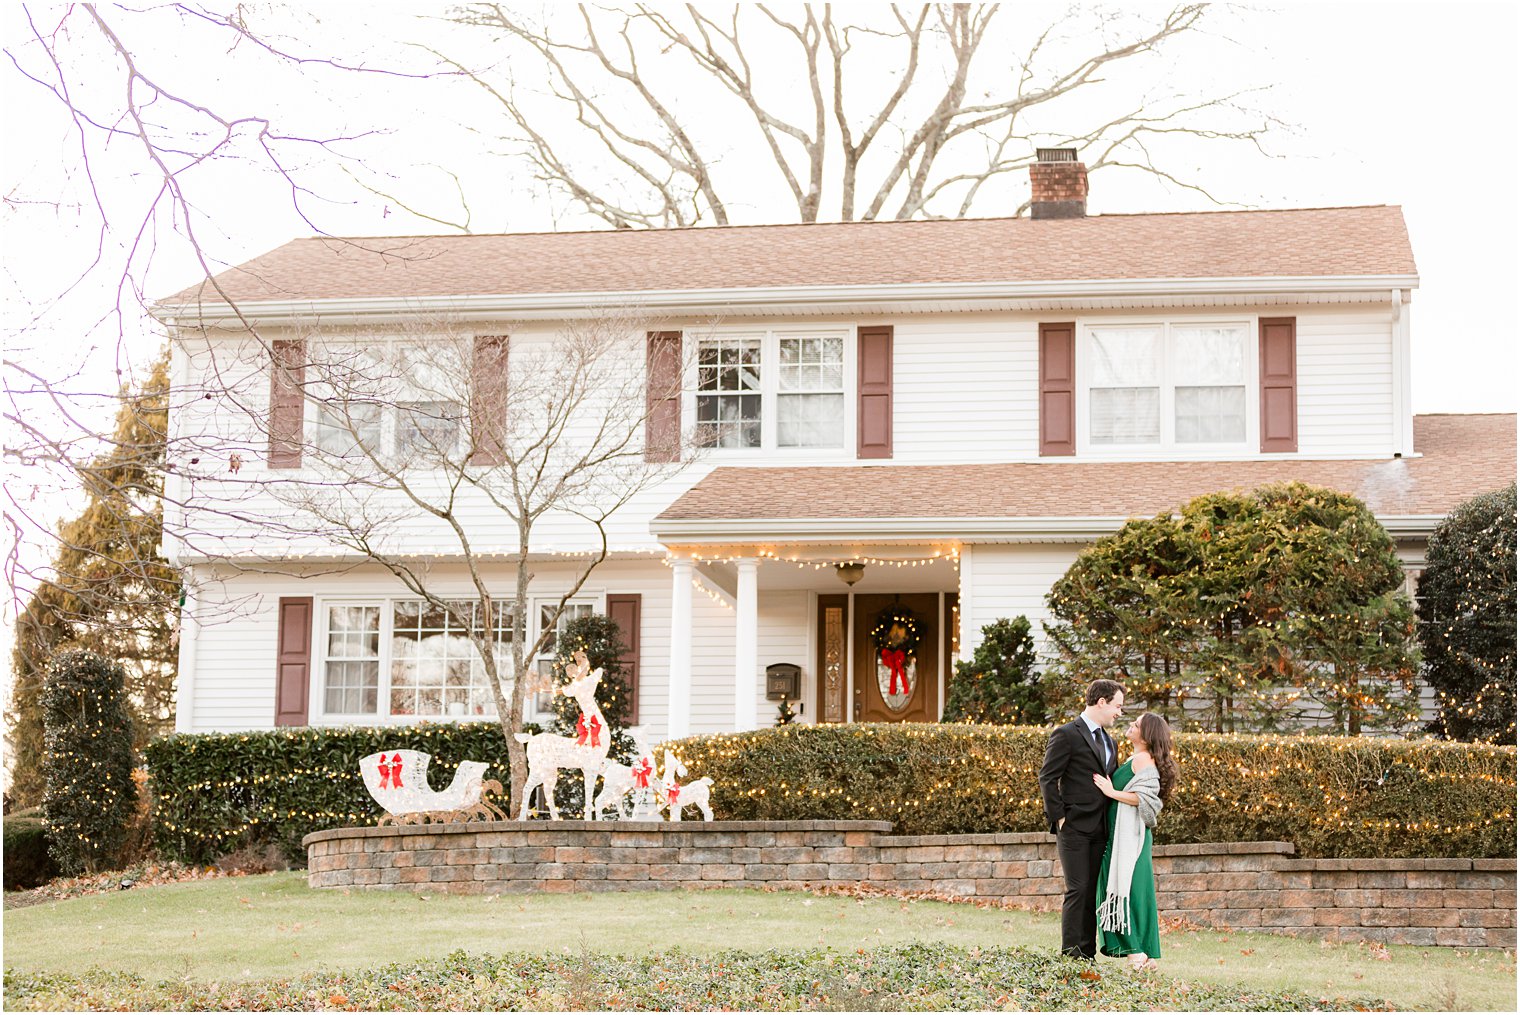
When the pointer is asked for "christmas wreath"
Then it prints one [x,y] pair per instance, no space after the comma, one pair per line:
[895,635]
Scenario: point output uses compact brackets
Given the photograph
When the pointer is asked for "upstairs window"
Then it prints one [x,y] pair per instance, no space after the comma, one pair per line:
[1167,385]
[784,390]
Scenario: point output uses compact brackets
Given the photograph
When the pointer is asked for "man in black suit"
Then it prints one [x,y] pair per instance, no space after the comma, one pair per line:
[1077,811]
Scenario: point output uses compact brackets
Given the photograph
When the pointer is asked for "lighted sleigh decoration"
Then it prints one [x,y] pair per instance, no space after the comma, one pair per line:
[398,781]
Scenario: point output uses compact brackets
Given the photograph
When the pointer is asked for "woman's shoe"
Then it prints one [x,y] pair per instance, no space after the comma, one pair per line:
[1138,962]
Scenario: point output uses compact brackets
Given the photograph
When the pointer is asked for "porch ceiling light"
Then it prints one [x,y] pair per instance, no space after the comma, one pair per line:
[850,573]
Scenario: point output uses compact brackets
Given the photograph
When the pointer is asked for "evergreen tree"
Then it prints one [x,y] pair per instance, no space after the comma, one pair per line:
[89,796]
[109,590]
[998,684]
[1277,609]
[1467,620]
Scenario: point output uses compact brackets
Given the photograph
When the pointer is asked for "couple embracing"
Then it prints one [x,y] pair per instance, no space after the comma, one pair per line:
[1102,814]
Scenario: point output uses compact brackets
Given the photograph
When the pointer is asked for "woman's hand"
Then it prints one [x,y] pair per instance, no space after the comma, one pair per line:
[1105,784]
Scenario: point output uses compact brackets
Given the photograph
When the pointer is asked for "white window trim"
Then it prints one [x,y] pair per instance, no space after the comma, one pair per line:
[536,603]
[317,714]
[1168,444]
[770,371]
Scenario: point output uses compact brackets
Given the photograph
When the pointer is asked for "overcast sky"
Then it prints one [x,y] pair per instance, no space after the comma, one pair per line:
[1415,104]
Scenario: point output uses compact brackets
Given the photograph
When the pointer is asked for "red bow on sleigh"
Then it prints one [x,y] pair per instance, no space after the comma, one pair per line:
[641,773]
[591,731]
[390,772]
[895,660]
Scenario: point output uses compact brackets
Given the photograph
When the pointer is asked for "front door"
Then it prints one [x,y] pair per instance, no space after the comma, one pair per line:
[904,685]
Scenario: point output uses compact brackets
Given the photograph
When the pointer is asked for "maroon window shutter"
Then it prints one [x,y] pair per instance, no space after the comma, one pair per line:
[625,610]
[488,399]
[662,424]
[1058,389]
[293,661]
[1279,383]
[873,436]
[286,405]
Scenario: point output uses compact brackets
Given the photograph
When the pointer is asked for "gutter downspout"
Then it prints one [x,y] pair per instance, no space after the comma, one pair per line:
[1403,411]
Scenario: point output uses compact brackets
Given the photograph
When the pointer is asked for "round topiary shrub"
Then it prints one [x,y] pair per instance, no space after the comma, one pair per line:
[27,861]
[89,796]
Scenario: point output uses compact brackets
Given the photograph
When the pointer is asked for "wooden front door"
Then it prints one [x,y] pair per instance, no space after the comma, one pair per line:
[875,700]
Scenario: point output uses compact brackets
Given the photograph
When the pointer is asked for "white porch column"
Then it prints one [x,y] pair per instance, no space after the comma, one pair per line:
[679,724]
[746,643]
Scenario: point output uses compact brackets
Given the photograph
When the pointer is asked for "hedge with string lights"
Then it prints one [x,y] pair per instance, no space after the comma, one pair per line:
[216,792]
[1331,796]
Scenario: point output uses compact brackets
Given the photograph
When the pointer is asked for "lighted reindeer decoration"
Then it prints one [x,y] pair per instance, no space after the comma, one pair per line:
[676,796]
[638,780]
[587,750]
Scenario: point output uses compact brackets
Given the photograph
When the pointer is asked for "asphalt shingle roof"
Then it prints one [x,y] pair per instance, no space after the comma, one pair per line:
[1461,456]
[1311,242]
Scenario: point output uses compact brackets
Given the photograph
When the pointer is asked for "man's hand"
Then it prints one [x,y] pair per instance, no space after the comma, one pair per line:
[1060,823]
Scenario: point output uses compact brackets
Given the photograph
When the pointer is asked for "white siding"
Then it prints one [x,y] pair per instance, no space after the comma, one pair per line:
[1346,382]
[1003,581]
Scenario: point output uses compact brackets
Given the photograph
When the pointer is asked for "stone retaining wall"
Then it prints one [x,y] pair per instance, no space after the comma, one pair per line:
[1243,885]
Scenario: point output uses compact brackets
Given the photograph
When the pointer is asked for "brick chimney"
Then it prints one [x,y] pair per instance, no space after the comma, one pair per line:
[1058,184]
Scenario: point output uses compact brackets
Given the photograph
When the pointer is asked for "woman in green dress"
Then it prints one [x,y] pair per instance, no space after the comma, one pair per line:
[1128,923]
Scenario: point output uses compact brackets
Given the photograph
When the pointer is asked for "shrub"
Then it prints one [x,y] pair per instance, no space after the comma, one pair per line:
[89,796]
[1467,620]
[1274,610]
[218,792]
[27,860]
[1330,796]
[998,684]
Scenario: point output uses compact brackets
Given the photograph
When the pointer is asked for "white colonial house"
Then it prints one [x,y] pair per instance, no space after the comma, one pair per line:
[936,415]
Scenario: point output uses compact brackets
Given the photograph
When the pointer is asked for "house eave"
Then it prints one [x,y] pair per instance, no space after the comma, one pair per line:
[835,298]
[1075,528]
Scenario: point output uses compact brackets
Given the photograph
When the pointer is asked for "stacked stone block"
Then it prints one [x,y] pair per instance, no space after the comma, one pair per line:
[1246,885]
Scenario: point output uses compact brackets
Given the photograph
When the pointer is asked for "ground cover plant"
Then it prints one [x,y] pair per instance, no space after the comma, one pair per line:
[211,939]
[906,978]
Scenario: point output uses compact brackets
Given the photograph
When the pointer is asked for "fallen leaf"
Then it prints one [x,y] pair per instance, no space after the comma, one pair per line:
[338,999]
[1091,975]
[1248,951]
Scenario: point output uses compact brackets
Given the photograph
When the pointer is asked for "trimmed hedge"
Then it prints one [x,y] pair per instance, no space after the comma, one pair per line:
[216,792]
[1330,796]
[27,861]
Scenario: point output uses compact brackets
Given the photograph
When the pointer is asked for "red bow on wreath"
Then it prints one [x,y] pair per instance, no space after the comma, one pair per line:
[896,661]
[390,772]
[641,773]
[592,730]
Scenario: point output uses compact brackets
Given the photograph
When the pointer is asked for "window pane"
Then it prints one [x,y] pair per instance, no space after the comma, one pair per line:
[1213,415]
[1126,357]
[429,428]
[342,428]
[810,421]
[1209,356]
[1125,415]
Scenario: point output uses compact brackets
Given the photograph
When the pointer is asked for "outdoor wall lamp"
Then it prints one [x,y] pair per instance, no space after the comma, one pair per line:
[850,573]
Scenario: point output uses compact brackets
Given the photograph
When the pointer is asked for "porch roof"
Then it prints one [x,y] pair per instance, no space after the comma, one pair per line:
[1458,457]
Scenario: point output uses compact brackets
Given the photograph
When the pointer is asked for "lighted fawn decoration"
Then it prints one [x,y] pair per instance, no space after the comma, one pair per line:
[587,750]
[398,781]
[620,782]
[677,796]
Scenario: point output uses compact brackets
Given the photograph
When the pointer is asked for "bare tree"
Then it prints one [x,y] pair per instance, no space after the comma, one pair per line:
[918,107]
[442,457]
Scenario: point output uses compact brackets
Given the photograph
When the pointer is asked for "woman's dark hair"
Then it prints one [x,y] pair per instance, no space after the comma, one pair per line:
[1103,690]
[1158,744]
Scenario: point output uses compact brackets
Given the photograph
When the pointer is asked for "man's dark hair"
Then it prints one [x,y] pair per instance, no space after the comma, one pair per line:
[1103,690]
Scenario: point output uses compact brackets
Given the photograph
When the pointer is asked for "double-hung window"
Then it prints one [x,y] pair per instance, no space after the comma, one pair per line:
[1176,385]
[543,663]
[772,389]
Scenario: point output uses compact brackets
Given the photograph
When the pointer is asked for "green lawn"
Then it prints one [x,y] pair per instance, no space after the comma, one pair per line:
[273,926]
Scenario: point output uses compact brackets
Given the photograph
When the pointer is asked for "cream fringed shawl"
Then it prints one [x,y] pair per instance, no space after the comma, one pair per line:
[1128,842]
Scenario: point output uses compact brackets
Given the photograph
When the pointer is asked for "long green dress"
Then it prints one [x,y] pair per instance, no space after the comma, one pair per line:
[1144,924]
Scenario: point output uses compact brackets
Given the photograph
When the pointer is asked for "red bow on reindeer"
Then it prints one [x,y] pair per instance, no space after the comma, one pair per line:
[390,772]
[672,791]
[896,661]
[588,730]
[642,772]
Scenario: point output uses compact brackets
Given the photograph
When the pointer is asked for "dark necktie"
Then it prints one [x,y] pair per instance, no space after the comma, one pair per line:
[1102,743]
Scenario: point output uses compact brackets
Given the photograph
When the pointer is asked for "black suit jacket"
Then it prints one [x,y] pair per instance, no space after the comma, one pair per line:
[1066,779]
